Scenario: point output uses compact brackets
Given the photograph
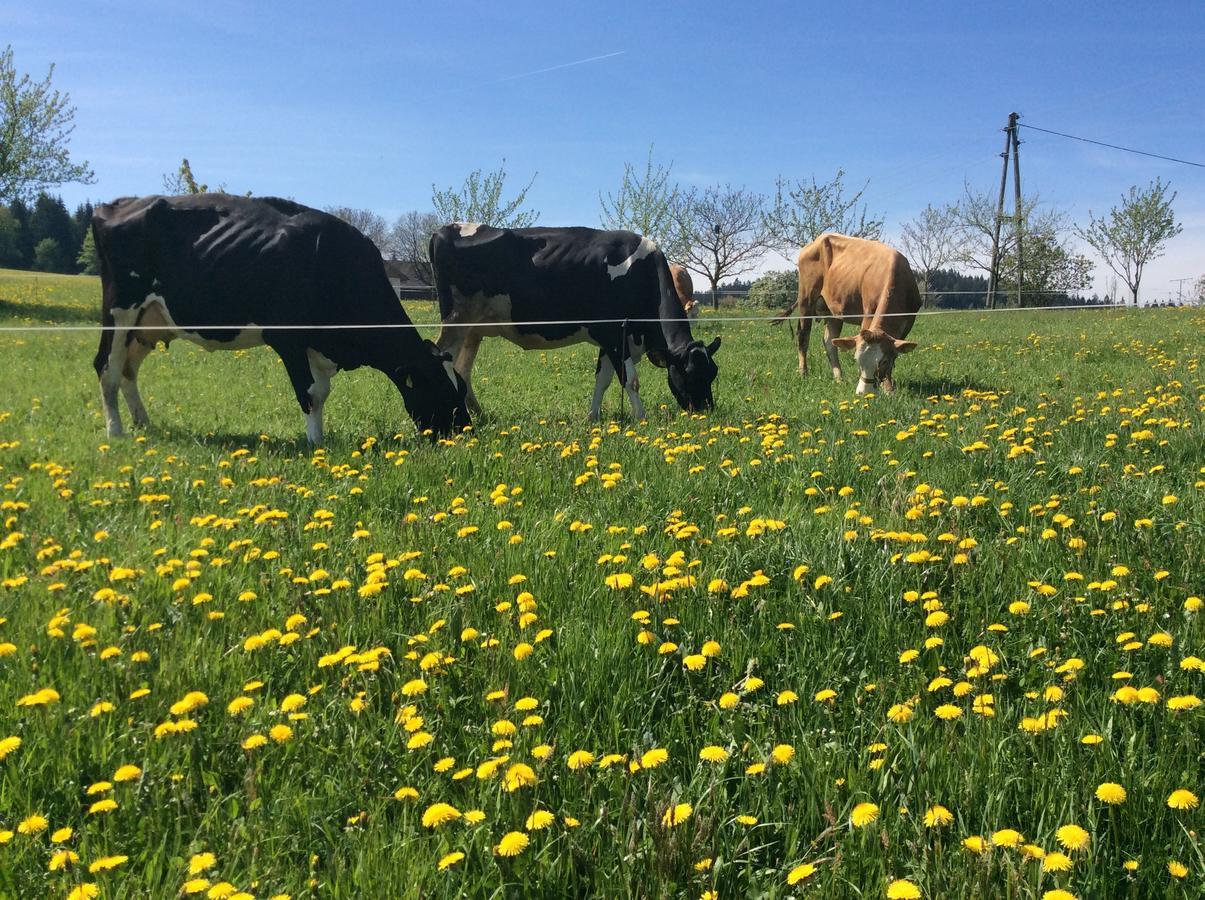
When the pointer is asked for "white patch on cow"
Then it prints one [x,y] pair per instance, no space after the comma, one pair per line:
[450,371]
[468,229]
[133,274]
[644,249]
[602,380]
[156,315]
[868,356]
[321,370]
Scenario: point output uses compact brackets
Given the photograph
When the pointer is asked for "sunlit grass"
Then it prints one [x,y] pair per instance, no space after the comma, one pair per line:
[805,645]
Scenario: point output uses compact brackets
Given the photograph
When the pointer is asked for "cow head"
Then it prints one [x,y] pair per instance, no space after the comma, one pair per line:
[874,352]
[433,391]
[691,374]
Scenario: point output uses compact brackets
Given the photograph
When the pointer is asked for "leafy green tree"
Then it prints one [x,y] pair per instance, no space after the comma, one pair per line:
[36,123]
[645,204]
[10,241]
[88,261]
[479,199]
[182,181]
[20,213]
[50,219]
[775,290]
[48,256]
[1133,234]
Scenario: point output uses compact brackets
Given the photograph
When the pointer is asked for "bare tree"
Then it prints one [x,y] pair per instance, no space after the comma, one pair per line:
[479,200]
[1052,267]
[645,204]
[723,232]
[36,123]
[804,210]
[1131,235]
[1197,296]
[366,222]
[409,239]
[931,241]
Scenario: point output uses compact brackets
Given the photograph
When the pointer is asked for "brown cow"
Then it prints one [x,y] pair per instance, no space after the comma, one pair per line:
[848,279]
[685,288]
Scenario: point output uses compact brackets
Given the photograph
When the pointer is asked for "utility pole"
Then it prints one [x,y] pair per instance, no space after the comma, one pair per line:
[1179,282]
[1012,147]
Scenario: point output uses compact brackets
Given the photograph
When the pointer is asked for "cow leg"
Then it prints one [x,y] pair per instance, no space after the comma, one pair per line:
[136,352]
[114,368]
[603,373]
[321,371]
[832,329]
[297,364]
[632,386]
[464,365]
[802,337]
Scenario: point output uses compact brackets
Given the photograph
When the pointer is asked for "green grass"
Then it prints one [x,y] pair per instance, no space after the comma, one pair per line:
[123,563]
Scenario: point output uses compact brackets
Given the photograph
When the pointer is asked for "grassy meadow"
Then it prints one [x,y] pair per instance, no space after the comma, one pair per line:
[941,644]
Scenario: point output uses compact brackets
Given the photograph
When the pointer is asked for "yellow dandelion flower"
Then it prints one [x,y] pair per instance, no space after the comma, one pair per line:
[518,776]
[539,819]
[580,759]
[902,889]
[937,816]
[676,815]
[438,814]
[1055,861]
[653,758]
[1007,837]
[1111,793]
[1073,837]
[801,873]
[1176,869]
[450,860]
[863,814]
[1182,798]
[201,862]
[512,844]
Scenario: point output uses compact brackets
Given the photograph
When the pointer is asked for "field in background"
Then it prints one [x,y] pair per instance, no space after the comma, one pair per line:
[808,645]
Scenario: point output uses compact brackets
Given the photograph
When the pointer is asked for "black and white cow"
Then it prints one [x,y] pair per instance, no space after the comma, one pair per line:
[233,272]
[555,285]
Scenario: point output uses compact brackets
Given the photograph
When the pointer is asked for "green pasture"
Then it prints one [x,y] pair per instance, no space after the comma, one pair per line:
[981,593]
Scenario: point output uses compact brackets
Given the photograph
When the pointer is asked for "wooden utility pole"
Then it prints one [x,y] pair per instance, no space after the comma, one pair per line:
[1011,148]
[1179,282]
[1012,126]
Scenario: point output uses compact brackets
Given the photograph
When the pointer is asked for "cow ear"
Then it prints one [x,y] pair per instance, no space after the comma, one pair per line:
[904,346]
[713,347]
[845,343]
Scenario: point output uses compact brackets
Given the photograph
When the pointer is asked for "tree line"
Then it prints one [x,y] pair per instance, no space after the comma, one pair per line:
[719,232]
[45,237]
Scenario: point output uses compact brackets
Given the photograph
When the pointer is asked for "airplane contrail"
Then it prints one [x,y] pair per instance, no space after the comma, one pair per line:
[576,62]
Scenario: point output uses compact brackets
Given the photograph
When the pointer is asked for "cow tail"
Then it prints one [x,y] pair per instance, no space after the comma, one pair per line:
[675,326]
[443,293]
[108,286]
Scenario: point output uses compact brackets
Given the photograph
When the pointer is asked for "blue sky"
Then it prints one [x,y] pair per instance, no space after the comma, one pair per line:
[368,104]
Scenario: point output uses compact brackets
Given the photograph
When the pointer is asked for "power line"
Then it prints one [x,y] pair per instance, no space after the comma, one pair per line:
[1075,137]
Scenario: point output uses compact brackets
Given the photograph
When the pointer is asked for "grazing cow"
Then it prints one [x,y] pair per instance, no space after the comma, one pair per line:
[849,279]
[232,272]
[549,287]
[685,289]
